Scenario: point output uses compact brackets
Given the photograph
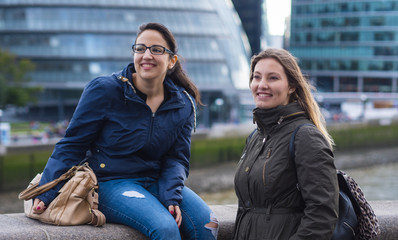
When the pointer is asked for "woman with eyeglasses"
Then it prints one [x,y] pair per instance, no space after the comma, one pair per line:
[134,128]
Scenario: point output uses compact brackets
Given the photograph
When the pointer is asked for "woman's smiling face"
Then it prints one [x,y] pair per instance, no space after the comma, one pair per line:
[149,66]
[269,86]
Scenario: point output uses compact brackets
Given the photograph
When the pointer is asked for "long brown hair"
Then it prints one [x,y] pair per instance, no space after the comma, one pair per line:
[296,80]
[177,73]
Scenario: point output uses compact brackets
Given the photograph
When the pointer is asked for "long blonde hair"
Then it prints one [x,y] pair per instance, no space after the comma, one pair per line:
[296,80]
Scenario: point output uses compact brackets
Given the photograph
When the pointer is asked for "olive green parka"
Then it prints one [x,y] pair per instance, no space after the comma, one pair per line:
[281,198]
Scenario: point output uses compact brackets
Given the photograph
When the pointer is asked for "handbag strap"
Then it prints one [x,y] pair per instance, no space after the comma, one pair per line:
[97,218]
[33,190]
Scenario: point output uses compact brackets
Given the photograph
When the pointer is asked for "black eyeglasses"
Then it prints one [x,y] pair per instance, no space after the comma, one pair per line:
[154,49]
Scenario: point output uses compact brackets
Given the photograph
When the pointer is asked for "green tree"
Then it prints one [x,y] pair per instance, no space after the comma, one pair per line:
[14,79]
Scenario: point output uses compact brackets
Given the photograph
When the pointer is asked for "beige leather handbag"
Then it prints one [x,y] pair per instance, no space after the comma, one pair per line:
[76,203]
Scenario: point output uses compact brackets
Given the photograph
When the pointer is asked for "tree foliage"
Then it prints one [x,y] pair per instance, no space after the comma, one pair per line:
[14,79]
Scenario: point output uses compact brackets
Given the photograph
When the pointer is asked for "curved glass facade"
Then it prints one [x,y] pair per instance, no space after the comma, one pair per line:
[73,41]
[347,46]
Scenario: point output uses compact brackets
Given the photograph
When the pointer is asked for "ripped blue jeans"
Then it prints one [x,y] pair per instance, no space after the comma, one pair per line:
[135,203]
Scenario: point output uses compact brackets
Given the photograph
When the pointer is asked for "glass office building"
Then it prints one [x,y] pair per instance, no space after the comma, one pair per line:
[251,13]
[347,46]
[74,41]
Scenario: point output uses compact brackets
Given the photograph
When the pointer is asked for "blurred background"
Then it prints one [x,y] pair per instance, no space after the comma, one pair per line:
[50,49]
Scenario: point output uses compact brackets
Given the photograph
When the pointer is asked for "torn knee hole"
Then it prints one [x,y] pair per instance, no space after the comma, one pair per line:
[212,225]
[213,221]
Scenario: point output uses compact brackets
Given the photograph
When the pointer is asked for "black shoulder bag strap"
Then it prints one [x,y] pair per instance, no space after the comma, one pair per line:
[250,136]
[291,143]
[347,223]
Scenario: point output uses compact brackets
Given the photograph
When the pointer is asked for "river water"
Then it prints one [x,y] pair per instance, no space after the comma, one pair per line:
[378,181]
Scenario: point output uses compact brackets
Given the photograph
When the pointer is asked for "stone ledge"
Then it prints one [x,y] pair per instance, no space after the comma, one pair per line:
[17,226]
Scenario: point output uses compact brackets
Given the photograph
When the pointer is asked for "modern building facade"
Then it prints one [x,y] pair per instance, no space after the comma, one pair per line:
[349,49]
[74,41]
[251,15]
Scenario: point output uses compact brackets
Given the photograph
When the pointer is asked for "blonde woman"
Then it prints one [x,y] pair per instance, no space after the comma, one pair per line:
[282,198]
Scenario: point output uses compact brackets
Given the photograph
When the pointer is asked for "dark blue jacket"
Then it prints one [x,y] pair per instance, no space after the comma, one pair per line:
[125,138]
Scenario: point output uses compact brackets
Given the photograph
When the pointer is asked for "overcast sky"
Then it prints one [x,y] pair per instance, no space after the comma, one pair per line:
[277,11]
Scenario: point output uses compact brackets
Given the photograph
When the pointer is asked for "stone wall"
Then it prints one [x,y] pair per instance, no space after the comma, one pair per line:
[17,226]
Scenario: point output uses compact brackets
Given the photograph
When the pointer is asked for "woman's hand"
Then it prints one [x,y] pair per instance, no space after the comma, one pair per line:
[176,212]
[38,206]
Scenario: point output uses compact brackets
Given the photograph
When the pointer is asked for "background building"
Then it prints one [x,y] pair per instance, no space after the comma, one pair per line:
[250,13]
[74,41]
[348,48]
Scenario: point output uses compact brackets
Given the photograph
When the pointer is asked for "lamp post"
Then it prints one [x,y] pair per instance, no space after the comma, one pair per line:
[2,147]
[2,152]
[364,99]
[1,131]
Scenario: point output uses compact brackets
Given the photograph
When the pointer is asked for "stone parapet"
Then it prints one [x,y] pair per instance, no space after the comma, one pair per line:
[16,226]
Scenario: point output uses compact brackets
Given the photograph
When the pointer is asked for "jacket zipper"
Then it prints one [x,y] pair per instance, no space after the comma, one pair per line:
[241,159]
[287,116]
[264,172]
[124,79]
[152,120]
[268,155]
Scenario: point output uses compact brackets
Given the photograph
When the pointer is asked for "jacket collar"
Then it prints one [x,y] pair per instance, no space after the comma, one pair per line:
[267,119]
[125,76]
